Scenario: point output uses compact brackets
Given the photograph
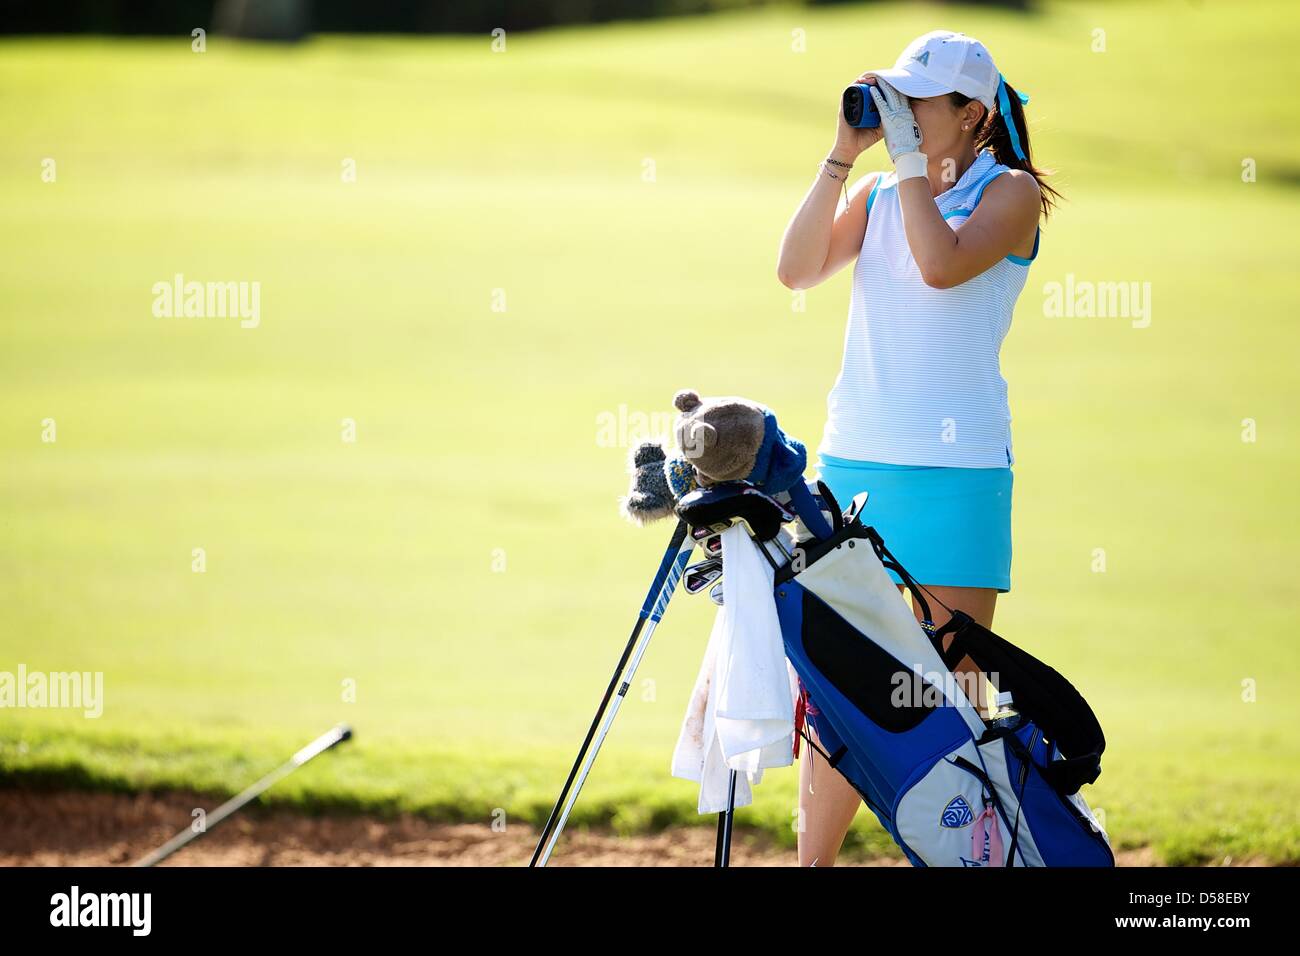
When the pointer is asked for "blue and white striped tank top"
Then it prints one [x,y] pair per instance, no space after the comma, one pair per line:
[920,383]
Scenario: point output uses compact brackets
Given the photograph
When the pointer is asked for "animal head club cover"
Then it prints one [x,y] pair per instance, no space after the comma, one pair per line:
[719,440]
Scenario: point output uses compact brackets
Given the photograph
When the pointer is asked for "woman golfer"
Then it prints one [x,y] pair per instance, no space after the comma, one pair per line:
[919,416]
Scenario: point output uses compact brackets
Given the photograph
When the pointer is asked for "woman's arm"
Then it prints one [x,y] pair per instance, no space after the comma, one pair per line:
[1006,216]
[819,241]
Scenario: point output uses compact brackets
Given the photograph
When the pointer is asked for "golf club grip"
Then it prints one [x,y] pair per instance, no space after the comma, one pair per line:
[331,738]
[665,567]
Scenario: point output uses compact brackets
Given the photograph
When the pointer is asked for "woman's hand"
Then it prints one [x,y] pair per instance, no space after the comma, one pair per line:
[901,131]
[851,142]
[897,124]
[822,238]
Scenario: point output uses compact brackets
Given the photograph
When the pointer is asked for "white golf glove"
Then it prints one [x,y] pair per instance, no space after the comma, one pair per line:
[902,134]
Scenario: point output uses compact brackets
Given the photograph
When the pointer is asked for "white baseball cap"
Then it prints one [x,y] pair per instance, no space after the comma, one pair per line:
[945,62]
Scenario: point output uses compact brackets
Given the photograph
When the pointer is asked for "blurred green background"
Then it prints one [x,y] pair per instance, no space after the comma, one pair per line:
[622,188]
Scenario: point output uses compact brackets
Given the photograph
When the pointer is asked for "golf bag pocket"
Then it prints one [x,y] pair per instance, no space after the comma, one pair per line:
[950,814]
[1047,827]
[988,804]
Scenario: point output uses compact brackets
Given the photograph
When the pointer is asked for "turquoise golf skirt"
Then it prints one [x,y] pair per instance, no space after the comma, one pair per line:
[950,527]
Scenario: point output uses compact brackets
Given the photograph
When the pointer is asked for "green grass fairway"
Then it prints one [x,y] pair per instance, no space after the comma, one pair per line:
[462,561]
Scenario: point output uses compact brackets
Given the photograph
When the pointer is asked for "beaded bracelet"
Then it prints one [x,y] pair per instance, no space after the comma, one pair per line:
[842,179]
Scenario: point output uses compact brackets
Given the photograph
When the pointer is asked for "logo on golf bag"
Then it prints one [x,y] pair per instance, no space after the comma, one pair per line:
[956,814]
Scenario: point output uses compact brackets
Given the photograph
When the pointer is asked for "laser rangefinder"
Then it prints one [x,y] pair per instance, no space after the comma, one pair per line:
[859,108]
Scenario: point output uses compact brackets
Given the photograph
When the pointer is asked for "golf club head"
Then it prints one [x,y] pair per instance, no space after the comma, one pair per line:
[712,546]
[713,509]
[703,575]
[715,593]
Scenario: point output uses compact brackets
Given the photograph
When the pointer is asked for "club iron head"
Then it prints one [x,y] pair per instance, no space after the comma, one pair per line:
[705,532]
[701,576]
[715,593]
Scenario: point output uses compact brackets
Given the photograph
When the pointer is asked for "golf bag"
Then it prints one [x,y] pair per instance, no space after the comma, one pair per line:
[890,716]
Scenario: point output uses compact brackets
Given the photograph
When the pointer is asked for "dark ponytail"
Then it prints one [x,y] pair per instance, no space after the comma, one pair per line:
[994,136]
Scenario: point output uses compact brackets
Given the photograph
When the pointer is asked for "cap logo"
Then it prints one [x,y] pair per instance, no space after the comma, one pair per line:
[924,58]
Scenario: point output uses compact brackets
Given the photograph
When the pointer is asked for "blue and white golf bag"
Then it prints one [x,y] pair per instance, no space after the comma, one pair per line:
[880,693]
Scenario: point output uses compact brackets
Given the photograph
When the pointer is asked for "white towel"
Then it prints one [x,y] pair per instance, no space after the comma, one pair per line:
[741,712]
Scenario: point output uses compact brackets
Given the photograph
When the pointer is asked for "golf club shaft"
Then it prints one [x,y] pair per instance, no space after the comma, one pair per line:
[591,755]
[729,818]
[722,832]
[656,602]
[324,742]
[722,850]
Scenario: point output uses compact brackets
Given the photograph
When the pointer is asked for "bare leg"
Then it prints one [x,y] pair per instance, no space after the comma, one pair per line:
[827,805]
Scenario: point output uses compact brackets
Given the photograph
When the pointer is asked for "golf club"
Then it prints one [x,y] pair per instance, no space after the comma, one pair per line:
[656,602]
[713,546]
[327,740]
[700,576]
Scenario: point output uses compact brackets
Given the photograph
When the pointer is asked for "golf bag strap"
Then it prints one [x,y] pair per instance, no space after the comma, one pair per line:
[832,760]
[955,652]
[891,563]
[1015,829]
[1069,710]
[814,745]
[957,649]
[992,792]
